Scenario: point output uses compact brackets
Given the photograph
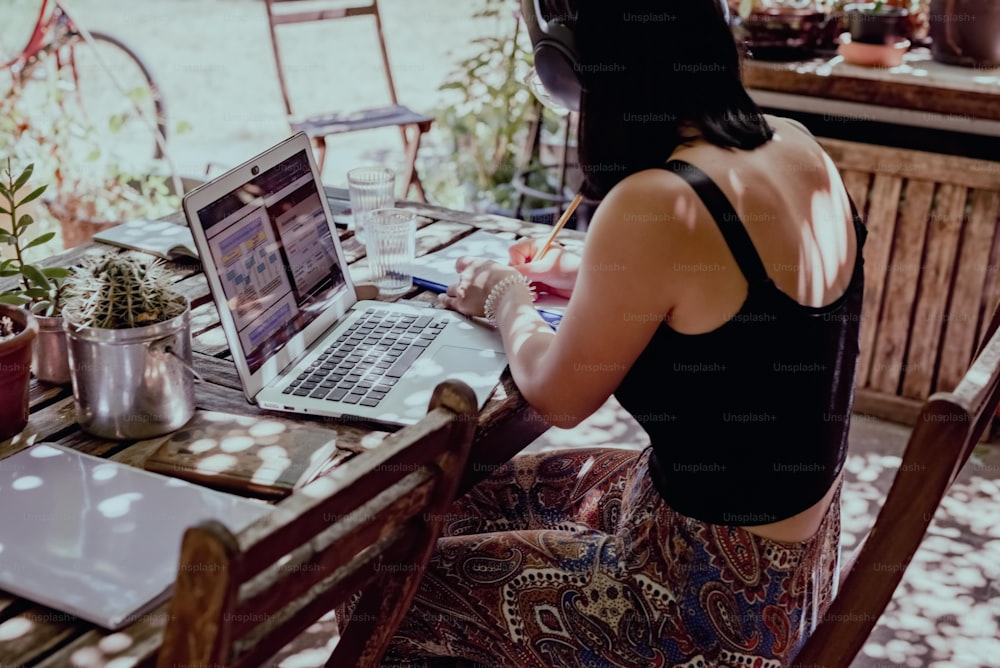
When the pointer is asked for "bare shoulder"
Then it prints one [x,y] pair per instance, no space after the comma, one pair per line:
[643,203]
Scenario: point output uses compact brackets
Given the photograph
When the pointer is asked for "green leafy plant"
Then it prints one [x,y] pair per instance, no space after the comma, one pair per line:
[42,289]
[120,292]
[485,126]
[41,123]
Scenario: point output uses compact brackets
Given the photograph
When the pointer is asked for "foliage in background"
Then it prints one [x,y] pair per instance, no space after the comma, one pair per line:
[41,288]
[40,124]
[484,129]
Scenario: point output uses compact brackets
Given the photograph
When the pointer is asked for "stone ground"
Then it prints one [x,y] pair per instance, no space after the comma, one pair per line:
[214,64]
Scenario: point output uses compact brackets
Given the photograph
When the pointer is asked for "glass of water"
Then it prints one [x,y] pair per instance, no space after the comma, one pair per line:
[370,188]
[392,242]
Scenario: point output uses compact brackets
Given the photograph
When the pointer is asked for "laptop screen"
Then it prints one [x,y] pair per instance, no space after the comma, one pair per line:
[275,255]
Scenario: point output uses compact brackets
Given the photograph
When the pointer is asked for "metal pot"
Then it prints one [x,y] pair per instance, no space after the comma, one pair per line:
[887,25]
[965,32]
[132,383]
[50,363]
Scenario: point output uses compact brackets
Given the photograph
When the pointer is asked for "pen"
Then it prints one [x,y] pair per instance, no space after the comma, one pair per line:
[558,226]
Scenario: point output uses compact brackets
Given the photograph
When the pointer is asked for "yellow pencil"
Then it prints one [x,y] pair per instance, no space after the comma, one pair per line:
[558,226]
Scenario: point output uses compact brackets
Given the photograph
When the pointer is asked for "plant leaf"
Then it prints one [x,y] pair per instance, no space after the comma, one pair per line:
[13,298]
[45,238]
[23,178]
[24,221]
[56,272]
[33,195]
[34,275]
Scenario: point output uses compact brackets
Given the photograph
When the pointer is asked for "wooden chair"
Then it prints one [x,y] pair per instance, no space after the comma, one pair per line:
[367,527]
[412,125]
[948,428]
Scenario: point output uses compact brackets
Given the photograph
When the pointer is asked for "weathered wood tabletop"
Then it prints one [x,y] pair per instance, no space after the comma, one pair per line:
[34,635]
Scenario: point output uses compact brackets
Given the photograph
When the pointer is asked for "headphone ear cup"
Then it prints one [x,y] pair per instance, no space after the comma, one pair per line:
[557,69]
[556,58]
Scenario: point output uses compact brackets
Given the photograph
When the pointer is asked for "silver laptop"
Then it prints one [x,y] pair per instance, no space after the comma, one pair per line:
[99,539]
[301,340]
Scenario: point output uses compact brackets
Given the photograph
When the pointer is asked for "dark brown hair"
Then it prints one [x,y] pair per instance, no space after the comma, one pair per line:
[649,68]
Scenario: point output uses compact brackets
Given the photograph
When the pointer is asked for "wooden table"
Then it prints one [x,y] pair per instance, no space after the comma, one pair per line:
[33,635]
[923,104]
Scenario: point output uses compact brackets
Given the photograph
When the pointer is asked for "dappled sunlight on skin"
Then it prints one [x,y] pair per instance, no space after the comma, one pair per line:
[527,324]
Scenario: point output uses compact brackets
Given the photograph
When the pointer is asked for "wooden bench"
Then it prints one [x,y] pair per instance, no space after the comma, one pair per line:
[931,265]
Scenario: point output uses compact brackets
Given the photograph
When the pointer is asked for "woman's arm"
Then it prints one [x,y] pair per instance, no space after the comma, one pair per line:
[624,290]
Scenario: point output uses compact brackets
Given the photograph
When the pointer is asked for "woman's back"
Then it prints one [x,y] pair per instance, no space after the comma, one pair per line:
[754,363]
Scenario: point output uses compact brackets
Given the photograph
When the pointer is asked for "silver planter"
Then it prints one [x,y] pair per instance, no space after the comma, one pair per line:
[132,383]
[50,362]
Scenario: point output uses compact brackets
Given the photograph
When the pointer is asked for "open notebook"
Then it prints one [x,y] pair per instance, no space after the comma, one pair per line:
[98,539]
[436,271]
[156,237]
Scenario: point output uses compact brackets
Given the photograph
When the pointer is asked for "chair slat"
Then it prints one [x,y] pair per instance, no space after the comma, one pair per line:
[901,281]
[943,233]
[970,289]
[882,214]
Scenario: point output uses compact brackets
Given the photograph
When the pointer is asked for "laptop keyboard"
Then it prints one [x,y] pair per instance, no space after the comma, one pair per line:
[367,359]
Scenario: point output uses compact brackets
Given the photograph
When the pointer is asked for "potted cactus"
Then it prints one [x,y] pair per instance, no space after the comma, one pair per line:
[41,290]
[129,337]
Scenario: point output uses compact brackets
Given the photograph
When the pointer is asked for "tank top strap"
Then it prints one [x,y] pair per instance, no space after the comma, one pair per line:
[729,222]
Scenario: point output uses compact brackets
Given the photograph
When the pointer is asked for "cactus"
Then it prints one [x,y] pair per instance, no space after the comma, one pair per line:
[121,291]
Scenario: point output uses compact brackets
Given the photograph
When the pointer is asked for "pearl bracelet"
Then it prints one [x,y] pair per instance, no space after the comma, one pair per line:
[498,292]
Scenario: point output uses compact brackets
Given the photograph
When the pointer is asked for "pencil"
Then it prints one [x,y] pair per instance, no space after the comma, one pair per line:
[558,226]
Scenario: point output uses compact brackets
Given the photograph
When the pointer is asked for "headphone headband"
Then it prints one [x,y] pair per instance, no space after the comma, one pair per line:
[557,60]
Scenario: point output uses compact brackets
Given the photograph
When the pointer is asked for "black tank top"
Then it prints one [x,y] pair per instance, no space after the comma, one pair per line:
[749,422]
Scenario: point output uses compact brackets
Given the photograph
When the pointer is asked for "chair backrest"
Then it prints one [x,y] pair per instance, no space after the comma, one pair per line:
[368,527]
[948,428]
[287,12]
[932,221]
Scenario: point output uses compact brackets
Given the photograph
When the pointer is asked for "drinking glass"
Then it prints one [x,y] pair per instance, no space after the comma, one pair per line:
[370,188]
[392,241]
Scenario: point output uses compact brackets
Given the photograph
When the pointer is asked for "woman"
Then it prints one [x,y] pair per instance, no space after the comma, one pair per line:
[718,298]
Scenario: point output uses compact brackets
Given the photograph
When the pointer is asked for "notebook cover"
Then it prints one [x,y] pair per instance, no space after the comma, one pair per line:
[262,457]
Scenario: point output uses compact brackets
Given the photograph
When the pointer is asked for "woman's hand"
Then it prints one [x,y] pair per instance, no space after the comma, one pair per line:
[555,273]
[476,277]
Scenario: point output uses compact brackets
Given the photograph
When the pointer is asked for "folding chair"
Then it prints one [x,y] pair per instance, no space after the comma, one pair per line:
[948,428]
[412,125]
[367,527]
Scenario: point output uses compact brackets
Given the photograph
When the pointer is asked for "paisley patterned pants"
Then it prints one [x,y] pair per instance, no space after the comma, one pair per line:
[572,559]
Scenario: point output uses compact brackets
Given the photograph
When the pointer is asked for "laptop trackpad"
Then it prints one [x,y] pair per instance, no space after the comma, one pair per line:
[480,369]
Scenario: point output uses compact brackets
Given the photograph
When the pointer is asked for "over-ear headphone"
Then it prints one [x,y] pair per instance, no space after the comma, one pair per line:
[557,61]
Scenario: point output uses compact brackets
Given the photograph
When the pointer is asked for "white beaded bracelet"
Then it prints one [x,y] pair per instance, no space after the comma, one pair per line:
[499,290]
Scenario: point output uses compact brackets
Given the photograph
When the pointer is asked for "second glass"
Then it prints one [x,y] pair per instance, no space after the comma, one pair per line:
[370,188]
[392,242]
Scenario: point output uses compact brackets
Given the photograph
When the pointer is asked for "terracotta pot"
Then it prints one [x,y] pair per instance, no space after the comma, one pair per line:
[965,32]
[15,372]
